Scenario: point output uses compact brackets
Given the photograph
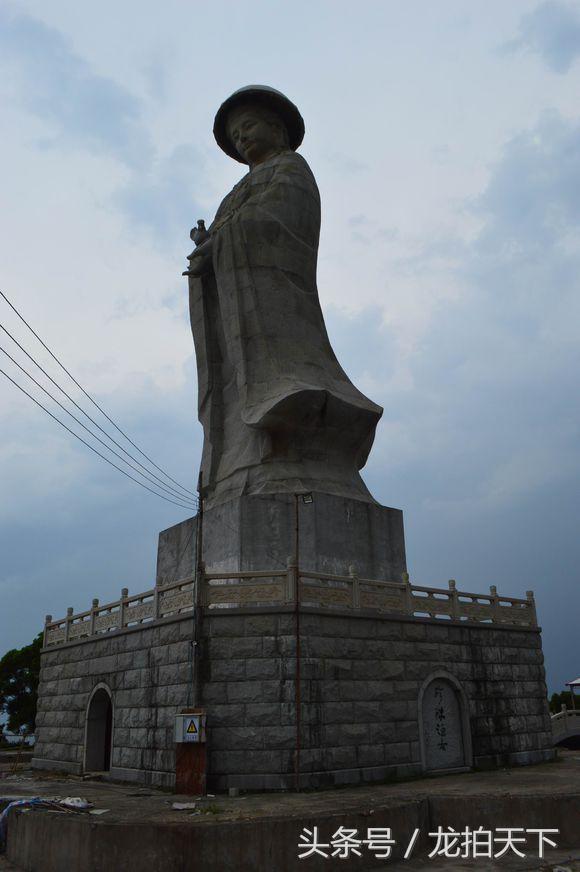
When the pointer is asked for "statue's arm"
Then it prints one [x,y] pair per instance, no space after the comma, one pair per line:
[290,198]
[200,260]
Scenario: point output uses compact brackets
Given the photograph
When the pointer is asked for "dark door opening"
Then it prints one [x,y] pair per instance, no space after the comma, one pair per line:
[99,733]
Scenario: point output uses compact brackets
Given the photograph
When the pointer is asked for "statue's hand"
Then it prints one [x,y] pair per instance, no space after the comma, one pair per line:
[200,260]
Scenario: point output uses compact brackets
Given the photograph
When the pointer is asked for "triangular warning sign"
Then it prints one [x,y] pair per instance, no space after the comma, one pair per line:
[191,728]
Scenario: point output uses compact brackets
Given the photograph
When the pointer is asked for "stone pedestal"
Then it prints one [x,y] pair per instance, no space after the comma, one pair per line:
[259,532]
[176,552]
[368,696]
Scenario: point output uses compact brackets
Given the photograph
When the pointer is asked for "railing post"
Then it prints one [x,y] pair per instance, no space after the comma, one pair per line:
[47,621]
[409,605]
[291,580]
[355,587]
[123,603]
[94,609]
[69,614]
[454,599]
[532,607]
[494,603]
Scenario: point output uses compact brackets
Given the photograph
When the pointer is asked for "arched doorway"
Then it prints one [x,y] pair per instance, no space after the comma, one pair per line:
[445,734]
[99,731]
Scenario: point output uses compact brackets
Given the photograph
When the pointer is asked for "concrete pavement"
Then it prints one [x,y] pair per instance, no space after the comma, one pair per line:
[142,830]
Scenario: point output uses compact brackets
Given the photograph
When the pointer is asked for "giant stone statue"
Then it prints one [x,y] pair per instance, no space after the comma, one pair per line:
[279,414]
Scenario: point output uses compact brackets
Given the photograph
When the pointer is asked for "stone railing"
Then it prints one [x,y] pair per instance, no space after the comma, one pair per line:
[231,590]
[566,723]
[127,611]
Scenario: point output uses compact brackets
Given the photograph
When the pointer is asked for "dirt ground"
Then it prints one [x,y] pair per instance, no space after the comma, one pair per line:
[128,803]
[132,802]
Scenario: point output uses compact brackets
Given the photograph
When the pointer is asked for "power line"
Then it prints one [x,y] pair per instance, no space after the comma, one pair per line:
[114,441]
[94,402]
[48,412]
[80,423]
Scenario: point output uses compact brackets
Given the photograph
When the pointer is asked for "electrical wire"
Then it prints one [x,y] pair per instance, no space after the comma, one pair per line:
[89,431]
[114,441]
[48,412]
[94,402]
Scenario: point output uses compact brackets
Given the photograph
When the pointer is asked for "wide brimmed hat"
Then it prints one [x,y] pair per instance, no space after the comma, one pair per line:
[270,97]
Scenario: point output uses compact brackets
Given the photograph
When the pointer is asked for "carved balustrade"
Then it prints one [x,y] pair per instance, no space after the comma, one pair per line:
[232,590]
[566,723]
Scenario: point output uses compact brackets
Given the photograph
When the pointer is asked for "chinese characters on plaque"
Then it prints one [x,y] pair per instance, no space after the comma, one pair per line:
[442,727]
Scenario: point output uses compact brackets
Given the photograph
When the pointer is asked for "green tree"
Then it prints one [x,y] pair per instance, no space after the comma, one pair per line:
[557,699]
[19,674]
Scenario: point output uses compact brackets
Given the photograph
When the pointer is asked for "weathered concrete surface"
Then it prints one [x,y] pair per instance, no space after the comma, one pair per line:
[560,861]
[7,866]
[10,757]
[257,533]
[261,832]
[176,552]
[335,533]
[361,678]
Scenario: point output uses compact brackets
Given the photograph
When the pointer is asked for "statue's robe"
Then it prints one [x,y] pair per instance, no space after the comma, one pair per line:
[279,413]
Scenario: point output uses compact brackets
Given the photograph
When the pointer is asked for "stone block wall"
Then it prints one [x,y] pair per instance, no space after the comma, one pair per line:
[360,683]
[148,671]
[361,678]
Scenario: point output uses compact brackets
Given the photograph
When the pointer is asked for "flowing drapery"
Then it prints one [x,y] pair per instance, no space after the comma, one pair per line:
[278,411]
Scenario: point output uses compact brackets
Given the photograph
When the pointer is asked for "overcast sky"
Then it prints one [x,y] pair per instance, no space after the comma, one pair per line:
[445,141]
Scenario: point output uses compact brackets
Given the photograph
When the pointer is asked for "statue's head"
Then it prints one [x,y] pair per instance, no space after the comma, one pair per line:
[256,132]
[256,122]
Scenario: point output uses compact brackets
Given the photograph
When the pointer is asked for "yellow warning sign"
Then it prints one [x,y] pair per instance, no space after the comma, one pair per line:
[190,728]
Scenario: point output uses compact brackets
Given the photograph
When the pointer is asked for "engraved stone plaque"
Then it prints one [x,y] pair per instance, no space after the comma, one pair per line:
[326,595]
[55,635]
[78,629]
[244,595]
[442,727]
[381,598]
[107,621]
[175,602]
[478,611]
[138,613]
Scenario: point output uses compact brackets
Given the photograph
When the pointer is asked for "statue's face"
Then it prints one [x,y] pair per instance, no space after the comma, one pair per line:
[253,134]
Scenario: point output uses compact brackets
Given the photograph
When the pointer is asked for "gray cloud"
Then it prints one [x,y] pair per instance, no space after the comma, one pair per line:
[345,163]
[85,530]
[366,231]
[365,347]
[160,198]
[155,69]
[88,111]
[533,196]
[59,87]
[480,446]
[552,30]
